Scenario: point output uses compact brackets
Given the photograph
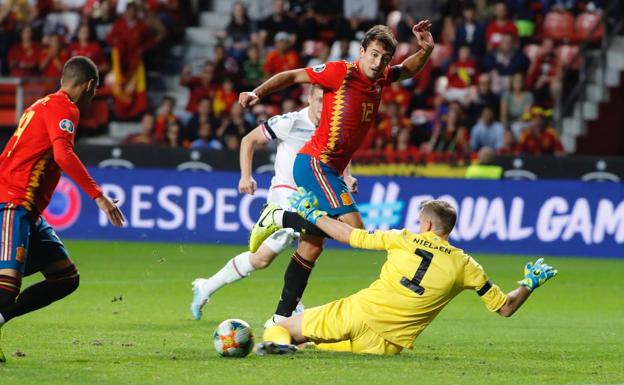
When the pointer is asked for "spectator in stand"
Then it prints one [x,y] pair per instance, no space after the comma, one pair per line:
[362,14]
[480,97]
[202,86]
[398,94]
[23,58]
[422,91]
[164,118]
[232,142]
[322,56]
[225,66]
[84,46]
[206,139]
[278,21]
[451,136]
[343,52]
[253,65]
[500,26]
[462,74]
[129,38]
[203,115]
[539,138]
[159,49]
[172,136]
[484,167]
[514,104]
[289,105]
[99,12]
[52,57]
[510,145]
[470,32]
[545,78]
[240,31]
[147,132]
[382,135]
[224,98]
[235,124]
[487,132]
[282,58]
[325,27]
[505,61]
[403,149]
[65,13]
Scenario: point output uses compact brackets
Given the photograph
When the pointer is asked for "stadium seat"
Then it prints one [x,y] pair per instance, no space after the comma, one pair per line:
[566,53]
[584,25]
[559,26]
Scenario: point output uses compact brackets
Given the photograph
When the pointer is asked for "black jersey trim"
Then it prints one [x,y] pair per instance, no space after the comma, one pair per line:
[270,130]
[484,289]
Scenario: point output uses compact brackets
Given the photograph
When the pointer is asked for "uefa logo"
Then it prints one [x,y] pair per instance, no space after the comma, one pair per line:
[64,207]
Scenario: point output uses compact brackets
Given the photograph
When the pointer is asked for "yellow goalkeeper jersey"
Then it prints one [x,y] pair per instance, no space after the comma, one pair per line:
[422,274]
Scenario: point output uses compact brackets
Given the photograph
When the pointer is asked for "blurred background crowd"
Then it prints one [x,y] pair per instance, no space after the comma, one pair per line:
[494,79]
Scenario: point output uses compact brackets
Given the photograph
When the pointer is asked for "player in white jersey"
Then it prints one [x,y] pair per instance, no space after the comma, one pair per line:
[292,130]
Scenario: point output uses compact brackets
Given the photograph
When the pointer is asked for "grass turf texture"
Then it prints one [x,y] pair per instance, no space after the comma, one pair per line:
[129,324]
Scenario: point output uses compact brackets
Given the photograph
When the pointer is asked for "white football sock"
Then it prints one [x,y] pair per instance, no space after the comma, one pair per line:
[280,240]
[278,218]
[1,319]
[235,269]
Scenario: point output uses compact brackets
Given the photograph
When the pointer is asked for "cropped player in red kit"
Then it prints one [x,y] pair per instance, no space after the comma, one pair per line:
[30,168]
[352,92]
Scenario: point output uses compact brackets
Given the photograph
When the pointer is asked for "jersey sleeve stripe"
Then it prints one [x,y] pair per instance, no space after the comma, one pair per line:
[484,289]
[267,129]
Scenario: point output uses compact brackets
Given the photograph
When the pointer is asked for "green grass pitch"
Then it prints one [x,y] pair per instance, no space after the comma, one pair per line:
[129,324]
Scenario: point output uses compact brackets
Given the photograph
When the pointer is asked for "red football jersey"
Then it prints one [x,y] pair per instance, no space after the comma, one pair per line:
[350,103]
[42,145]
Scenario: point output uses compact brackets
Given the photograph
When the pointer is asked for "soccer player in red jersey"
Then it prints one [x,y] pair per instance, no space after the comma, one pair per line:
[30,168]
[352,92]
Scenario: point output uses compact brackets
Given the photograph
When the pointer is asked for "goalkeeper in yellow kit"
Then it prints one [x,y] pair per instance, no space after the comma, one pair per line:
[423,273]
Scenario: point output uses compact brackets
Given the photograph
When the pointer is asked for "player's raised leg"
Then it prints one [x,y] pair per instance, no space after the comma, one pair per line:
[239,267]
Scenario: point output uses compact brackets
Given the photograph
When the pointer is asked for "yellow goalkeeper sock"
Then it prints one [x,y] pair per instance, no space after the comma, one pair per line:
[277,334]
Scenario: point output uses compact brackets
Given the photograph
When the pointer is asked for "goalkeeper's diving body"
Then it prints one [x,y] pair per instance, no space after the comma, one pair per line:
[423,274]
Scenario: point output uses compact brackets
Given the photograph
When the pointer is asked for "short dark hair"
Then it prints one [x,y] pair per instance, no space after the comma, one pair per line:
[79,70]
[442,214]
[382,34]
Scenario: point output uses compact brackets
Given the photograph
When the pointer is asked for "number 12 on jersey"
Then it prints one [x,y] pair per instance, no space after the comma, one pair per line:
[414,283]
[367,111]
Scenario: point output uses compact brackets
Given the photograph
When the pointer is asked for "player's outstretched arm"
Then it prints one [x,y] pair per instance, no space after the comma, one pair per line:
[247,184]
[69,162]
[274,83]
[535,275]
[415,62]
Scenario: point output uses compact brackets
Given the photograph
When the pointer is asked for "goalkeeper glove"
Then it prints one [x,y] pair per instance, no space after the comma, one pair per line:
[306,205]
[535,275]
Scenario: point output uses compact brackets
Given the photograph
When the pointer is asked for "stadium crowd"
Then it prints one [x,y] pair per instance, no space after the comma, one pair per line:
[493,79]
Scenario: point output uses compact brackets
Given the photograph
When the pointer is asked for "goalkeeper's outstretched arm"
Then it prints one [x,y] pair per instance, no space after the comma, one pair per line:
[535,275]
[340,231]
[515,299]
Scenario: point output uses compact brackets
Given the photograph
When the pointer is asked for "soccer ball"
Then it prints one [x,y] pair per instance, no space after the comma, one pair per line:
[233,338]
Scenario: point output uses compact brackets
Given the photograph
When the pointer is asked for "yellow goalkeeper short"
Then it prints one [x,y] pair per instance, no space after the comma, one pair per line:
[328,324]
